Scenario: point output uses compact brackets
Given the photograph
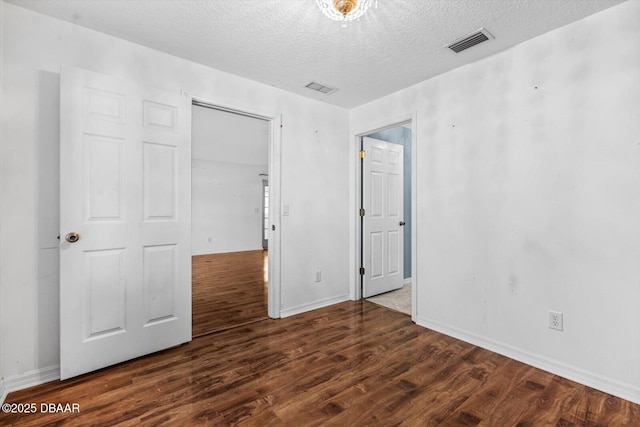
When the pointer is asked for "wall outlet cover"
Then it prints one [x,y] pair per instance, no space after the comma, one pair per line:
[555,320]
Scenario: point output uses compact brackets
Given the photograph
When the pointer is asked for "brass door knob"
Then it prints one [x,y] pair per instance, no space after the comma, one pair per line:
[72,237]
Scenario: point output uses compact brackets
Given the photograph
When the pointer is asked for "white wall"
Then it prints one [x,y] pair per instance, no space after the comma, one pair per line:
[528,199]
[226,207]
[229,153]
[313,236]
[2,319]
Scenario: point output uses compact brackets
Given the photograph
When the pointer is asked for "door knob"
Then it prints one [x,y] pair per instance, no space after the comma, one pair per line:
[72,237]
[401,223]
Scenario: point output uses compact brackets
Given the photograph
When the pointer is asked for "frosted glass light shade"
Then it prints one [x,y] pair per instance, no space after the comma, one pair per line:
[344,10]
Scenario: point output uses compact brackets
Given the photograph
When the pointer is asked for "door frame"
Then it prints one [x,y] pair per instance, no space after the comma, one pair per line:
[274,172]
[355,241]
[265,236]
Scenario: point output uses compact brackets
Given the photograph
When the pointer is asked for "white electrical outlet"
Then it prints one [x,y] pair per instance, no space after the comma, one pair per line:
[318,276]
[555,320]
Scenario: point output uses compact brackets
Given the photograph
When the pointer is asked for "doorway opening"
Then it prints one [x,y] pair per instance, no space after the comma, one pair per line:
[231,221]
[385,228]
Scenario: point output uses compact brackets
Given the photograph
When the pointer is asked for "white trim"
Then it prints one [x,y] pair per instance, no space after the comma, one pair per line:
[236,108]
[612,386]
[407,281]
[410,119]
[313,305]
[387,122]
[29,379]
[414,215]
[275,188]
[354,245]
[3,391]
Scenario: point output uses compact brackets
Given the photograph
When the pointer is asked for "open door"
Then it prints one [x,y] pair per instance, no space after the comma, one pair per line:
[125,257]
[383,241]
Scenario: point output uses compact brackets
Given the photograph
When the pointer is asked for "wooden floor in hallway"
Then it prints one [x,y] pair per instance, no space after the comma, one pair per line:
[229,289]
[351,364]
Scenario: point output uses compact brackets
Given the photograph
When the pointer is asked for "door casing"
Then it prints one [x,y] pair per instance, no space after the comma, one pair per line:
[355,244]
[265,221]
[274,172]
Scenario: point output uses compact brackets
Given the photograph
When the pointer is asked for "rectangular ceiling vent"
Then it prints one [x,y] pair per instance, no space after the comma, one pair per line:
[471,40]
[321,88]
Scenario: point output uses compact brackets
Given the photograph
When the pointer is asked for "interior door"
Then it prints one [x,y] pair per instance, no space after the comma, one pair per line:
[125,212]
[383,220]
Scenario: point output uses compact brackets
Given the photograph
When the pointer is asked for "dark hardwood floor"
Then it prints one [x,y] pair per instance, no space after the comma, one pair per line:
[229,289]
[350,364]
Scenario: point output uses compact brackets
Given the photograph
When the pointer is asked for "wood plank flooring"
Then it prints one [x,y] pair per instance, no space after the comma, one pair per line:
[350,364]
[229,289]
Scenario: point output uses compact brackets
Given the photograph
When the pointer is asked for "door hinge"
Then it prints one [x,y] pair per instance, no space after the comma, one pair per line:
[362,271]
[361,212]
[361,154]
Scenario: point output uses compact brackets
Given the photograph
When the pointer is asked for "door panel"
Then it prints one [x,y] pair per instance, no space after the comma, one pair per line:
[125,285]
[159,282]
[103,167]
[394,192]
[105,293]
[159,182]
[376,194]
[394,255]
[377,255]
[383,199]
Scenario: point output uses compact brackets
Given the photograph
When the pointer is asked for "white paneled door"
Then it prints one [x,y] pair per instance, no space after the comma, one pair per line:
[383,233]
[125,212]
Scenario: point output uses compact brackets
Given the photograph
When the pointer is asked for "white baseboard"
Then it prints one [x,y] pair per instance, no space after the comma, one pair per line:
[611,386]
[29,379]
[3,392]
[407,281]
[314,305]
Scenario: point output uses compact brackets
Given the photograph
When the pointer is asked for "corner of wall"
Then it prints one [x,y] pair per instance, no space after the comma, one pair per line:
[28,379]
[3,392]
[314,305]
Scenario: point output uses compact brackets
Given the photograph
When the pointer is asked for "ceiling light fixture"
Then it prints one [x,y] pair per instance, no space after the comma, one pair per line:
[345,10]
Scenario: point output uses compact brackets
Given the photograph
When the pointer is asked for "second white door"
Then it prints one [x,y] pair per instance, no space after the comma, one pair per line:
[383,241]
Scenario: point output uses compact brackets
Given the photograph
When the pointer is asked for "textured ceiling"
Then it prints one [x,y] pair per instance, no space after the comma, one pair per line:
[289,43]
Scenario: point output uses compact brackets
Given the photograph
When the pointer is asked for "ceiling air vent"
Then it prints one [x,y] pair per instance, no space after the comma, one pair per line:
[471,40]
[321,88]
